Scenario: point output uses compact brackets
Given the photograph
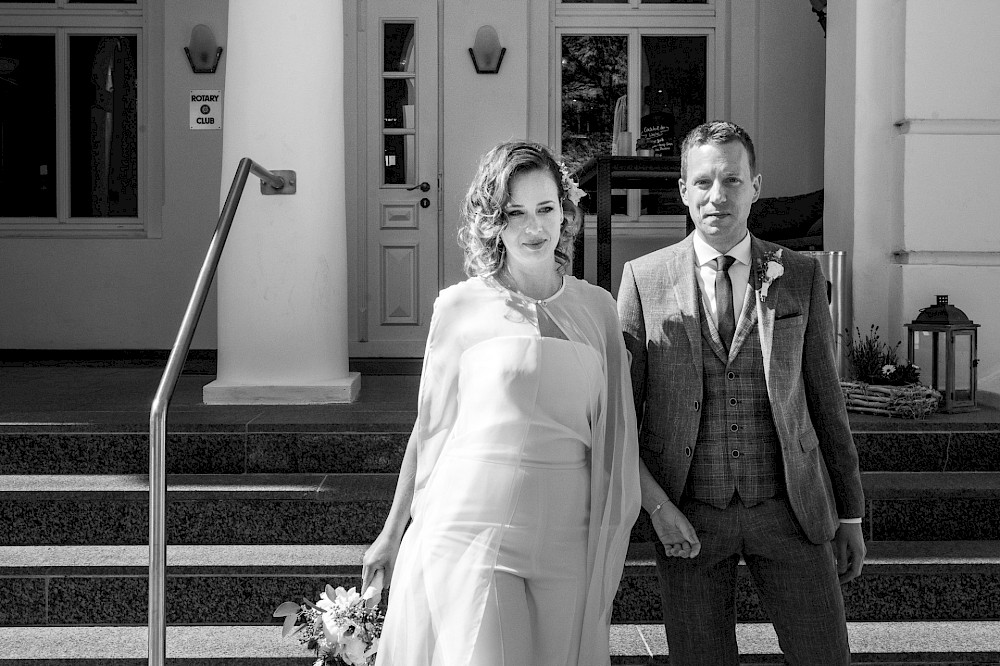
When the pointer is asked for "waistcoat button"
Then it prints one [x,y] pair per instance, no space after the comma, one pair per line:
[697,405]
[734,427]
[733,401]
[687,451]
[731,375]
[736,454]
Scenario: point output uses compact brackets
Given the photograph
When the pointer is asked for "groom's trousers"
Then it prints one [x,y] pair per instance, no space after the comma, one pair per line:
[795,579]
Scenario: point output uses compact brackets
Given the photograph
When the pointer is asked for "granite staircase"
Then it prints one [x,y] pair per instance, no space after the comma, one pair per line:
[269,504]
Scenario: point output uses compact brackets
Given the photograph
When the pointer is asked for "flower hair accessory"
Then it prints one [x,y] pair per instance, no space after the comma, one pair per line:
[769,270]
[570,186]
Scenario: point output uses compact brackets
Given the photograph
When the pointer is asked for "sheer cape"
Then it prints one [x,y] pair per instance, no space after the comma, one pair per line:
[435,611]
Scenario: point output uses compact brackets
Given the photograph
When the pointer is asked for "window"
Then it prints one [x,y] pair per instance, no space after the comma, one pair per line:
[634,2]
[630,73]
[74,150]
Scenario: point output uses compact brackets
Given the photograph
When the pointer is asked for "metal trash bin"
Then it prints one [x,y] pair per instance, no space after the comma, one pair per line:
[832,264]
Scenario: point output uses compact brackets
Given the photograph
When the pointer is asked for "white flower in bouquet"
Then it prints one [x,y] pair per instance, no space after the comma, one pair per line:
[354,651]
[340,599]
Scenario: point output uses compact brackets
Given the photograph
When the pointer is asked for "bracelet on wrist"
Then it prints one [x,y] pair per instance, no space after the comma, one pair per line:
[659,506]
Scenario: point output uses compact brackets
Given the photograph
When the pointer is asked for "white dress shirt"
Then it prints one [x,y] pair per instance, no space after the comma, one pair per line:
[739,274]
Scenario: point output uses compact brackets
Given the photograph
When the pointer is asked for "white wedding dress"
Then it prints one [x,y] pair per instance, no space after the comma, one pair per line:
[526,486]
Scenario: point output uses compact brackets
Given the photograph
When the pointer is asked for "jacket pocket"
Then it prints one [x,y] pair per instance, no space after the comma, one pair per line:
[788,321]
[808,440]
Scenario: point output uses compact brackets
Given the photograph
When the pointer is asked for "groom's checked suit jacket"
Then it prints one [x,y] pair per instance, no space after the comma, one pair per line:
[659,303]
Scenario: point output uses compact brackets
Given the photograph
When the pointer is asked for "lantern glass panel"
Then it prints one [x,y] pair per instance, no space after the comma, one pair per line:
[963,365]
[925,357]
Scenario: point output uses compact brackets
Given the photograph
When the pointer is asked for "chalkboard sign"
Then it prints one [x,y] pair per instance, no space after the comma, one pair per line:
[658,133]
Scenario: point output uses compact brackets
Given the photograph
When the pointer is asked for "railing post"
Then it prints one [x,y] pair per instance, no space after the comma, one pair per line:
[281,182]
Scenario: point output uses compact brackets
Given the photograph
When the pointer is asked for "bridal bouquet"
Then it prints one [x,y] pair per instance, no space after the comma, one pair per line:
[342,628]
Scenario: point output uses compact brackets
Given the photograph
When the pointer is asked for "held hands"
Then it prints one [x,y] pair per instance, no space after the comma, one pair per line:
[675,531]
[849,549]
[380,557]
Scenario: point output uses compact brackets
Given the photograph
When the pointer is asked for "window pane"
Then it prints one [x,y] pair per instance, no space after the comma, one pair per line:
[397,52]
[399,159]
[399,102]
[594,89]
[102,107]
[674,102]
[594,98]
[28,125]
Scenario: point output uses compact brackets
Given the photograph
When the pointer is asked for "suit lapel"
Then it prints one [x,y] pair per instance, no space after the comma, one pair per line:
[709,329]
[764,308]
[680,274]
[748,320]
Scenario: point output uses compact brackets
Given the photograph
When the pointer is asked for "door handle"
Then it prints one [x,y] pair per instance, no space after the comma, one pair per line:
[423,187]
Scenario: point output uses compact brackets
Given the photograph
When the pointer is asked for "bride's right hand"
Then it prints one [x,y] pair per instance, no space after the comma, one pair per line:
[380,555]
[675,532]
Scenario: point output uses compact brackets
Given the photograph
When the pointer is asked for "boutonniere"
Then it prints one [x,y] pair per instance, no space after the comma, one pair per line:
[769,269]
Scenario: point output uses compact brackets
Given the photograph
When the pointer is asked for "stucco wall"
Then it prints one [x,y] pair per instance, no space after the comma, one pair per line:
[908,176]
[480,110]
[792,82]
[950,166]
[119,293]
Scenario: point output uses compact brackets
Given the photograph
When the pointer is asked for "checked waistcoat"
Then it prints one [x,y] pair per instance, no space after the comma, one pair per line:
[737,448]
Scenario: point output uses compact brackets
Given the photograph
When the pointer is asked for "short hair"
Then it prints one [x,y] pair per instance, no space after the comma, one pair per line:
[717,132]
[483,209]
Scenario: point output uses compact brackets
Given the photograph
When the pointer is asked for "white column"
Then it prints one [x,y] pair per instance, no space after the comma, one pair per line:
[282,280]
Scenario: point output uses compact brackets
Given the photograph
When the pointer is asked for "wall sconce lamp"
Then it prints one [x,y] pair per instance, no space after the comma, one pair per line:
[487,54]
[203,52]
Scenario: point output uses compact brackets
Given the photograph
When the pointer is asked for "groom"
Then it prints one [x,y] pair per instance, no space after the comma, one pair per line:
[745,445]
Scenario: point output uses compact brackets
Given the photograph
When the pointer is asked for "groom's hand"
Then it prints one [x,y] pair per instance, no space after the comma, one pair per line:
[849,549]
[675,532]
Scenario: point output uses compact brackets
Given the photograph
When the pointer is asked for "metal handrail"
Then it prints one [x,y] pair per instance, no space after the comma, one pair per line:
[158,411]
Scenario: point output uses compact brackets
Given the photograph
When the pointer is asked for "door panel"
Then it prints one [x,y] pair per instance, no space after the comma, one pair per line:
[400,182]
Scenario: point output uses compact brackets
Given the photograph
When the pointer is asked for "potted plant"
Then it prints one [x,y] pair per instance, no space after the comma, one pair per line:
[643,147]
[881,383]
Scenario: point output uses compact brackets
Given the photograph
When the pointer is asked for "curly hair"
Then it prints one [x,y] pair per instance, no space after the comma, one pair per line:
[483,212]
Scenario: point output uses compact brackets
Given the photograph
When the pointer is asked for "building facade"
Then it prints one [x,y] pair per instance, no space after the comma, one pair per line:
[876,112]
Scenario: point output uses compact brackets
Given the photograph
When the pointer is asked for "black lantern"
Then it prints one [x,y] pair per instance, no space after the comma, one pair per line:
[942,342]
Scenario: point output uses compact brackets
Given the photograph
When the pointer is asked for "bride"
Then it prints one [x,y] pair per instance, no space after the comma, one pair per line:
[521,474]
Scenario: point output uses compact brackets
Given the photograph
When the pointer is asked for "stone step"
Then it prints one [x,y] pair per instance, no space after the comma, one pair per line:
[902,581]
[350,508]
[882,643]
[364,444]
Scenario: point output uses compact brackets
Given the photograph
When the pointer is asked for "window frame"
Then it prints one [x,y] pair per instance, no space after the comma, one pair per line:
[63,20]
[635,21]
